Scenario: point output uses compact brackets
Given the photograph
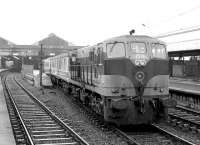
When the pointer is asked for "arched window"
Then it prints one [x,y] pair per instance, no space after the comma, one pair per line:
[116,49]
[158,50]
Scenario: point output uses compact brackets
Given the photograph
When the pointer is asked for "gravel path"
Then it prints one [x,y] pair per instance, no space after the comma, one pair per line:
[64,108]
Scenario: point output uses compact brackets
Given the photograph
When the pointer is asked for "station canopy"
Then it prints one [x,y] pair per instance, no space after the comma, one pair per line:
[183,53]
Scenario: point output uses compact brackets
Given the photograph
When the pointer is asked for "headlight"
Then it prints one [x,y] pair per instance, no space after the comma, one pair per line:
[139,76]
[137,62]
[142,62]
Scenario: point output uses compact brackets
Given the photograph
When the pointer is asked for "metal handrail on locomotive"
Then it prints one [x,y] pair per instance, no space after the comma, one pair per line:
[124,79]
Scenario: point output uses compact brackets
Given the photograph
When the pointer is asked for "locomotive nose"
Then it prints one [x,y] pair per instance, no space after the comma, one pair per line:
[139,75]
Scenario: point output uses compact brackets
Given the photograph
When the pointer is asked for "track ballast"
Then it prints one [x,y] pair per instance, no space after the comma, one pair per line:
[33,122]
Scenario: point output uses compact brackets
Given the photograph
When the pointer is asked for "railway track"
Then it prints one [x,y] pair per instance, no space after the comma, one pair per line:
[33,123]
[185,114]
[155,136]
[185,117]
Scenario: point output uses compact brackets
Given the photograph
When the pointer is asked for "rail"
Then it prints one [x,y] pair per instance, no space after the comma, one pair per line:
[28,139]
[74,134]
[172,135]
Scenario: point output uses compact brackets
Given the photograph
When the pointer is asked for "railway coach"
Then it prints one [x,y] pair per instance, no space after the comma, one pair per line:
[124,79]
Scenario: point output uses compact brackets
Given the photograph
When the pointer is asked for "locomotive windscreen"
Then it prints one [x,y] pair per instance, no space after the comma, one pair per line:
[158,50]
[116,49]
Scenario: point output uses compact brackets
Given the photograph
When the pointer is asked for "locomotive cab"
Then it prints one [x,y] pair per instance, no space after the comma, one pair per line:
[139,72]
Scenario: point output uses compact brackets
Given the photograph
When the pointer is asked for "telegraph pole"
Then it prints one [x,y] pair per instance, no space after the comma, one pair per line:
[41,57]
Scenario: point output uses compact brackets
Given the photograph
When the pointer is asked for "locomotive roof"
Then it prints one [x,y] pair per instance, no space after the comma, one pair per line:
[128,38]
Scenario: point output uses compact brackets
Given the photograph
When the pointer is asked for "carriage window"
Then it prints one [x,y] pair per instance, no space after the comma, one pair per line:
[158,50]
[116,50]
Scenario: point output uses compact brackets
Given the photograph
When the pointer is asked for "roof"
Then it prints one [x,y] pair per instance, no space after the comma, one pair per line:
[134,38]
[54,41]
[181,53]
[25,46]
[5,43]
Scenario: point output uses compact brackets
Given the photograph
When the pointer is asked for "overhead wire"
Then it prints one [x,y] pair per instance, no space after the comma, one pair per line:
[182,30]
[190,40]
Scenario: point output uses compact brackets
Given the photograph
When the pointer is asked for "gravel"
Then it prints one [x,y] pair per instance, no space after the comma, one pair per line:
[186,134]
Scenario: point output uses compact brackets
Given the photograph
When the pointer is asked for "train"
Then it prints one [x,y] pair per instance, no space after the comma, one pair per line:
[124,79]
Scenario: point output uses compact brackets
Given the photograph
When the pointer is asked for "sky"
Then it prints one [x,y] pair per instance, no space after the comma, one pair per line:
[86,22]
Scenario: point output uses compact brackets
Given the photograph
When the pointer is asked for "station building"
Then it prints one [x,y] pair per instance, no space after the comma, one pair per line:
[30,54]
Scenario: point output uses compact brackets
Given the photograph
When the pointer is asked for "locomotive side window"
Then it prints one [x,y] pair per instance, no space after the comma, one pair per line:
[91,55]
[65,64]
[115,50]
[158,50]
[99,53]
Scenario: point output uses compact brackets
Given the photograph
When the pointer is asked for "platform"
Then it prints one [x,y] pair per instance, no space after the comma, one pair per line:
[6,133]
[187,85]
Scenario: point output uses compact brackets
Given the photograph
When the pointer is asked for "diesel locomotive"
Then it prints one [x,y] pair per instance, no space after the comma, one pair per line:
[124,79]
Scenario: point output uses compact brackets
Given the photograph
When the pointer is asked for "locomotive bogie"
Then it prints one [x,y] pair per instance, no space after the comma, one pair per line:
[133,113]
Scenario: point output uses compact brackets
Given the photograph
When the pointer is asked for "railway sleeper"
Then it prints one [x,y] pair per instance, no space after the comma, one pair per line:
[54,140]
[40,136]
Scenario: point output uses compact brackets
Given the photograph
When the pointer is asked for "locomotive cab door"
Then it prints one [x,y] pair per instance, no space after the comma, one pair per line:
[100,68]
